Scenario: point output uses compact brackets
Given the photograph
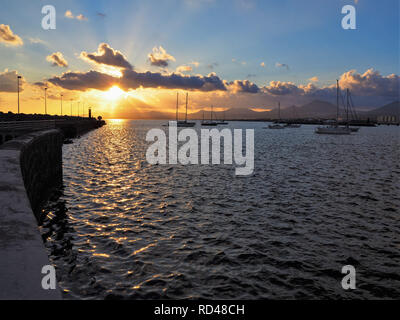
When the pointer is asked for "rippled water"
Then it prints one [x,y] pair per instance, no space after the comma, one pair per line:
[121,228]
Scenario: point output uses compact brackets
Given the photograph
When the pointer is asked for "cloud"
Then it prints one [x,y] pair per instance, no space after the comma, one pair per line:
[107,56]
[83,81]
[101,15]
[68,14]
[195,63]
[371,83]
[212,65]
[133,80]
[184,68]
[57,59]
[244,86]
[81,17]
[314,79]
[282,65]
[8,81]
[159,57]
[8,37]
[262,64]
[38,41]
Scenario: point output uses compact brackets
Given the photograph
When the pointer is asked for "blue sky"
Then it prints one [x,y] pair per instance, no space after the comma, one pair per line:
[235,37]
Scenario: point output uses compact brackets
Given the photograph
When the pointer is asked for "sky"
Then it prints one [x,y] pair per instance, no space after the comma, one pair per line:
[129,58]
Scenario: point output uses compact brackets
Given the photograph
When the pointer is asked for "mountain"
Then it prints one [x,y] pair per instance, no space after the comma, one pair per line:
[231,114]
[391,109]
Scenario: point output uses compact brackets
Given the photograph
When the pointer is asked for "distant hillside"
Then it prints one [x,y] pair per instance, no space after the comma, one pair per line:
[391,109]
[233,114]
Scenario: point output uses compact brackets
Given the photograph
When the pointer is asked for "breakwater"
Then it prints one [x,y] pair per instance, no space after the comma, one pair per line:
[30,167]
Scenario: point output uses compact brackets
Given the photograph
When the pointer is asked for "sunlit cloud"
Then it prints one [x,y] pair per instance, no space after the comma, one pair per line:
[159,57]
[314,79]
[244,86]
[106,55]
[8,37]
[68,14]
[57,59]
[184,68]
[262,64]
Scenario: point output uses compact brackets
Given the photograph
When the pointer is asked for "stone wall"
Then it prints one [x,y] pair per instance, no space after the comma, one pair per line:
[30,166]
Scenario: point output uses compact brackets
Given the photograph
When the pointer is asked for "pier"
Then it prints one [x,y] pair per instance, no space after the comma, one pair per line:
[30,169]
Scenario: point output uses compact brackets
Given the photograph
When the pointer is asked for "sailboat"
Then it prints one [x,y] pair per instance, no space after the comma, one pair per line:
[183,123]
[277,125]
[293,125]
[209,123]
[334,129]
[223,122]
[350,108]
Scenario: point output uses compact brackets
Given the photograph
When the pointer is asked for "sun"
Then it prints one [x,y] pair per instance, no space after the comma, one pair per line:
[114,93]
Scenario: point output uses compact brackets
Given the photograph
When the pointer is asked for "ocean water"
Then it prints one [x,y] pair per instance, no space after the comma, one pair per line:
[121,228]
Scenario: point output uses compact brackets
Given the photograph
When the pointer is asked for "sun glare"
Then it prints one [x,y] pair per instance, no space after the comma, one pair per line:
[114,93]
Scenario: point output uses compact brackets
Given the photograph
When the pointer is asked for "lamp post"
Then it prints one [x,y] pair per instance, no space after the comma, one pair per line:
[45,101]
[71,107]
[61,105]
[79,103]
[18,77]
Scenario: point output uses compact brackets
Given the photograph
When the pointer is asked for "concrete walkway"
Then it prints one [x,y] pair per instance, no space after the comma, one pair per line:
[22,253]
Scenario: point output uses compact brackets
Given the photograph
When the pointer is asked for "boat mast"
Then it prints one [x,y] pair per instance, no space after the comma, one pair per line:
[337,101]
[187,96]
[347,106]
[177,102]
[279,111]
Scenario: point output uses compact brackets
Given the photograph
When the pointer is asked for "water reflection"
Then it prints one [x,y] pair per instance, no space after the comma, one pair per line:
[124,229]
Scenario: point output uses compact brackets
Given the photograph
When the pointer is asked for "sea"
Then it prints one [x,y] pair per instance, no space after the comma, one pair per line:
[121,228]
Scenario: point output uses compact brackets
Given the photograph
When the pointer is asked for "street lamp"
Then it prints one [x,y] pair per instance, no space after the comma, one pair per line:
[45,100]
[61,105]
[71,107]
[18,77]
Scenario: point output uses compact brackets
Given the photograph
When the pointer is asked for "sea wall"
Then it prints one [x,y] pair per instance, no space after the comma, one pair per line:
[30,166]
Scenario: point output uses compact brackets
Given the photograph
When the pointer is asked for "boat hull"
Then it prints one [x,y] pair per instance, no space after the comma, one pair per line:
[333,130]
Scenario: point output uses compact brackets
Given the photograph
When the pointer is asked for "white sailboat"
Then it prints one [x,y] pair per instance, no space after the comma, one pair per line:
[334,129]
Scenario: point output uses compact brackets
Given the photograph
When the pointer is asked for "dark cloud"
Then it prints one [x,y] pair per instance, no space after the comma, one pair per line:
[370,83]
[133,80]
[101,15]
[282,65]
[83,81]
[8,81]
[159,57]
[107,56]
[8,37]
[57,60]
